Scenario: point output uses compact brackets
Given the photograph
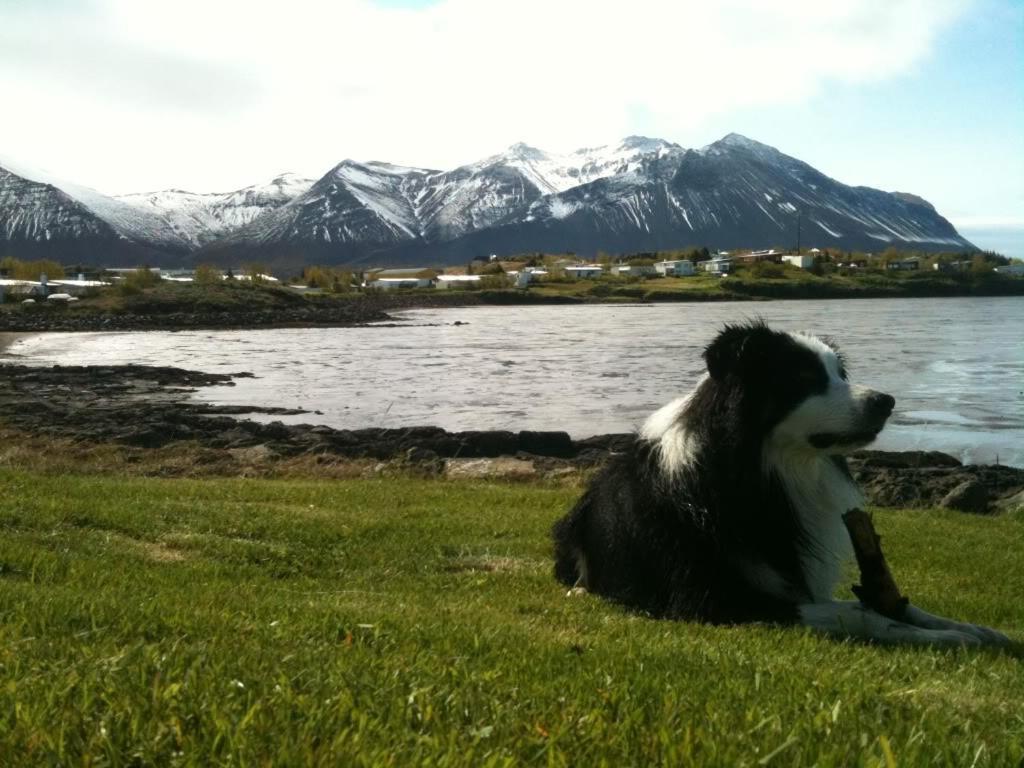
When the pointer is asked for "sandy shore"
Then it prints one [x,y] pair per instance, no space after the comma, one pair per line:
[7,339]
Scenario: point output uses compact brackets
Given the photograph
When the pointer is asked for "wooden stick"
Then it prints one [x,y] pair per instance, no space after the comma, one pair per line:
[877,588]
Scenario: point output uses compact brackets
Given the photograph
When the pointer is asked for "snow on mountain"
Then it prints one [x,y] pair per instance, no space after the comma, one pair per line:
[202,218]
[734,193]
[552,173]
[636,195]
[42,203]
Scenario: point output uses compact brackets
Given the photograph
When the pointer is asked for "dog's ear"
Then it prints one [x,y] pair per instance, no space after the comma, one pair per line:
[726,354]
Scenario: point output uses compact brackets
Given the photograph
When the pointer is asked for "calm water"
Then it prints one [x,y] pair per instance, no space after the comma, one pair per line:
[955,366]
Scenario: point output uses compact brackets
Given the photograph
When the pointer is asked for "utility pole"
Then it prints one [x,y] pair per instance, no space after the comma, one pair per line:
[799,213]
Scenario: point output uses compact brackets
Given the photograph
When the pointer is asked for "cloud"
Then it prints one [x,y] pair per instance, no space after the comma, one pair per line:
[209,94]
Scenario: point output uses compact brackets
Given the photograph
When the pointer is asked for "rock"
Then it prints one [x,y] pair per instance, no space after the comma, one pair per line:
[1012,503]
[616,442]
[904,459]
[490,468]
[256,454]
[424,460]
[556,444]
[417,455]
[970,496]
[487,444]
[275,430]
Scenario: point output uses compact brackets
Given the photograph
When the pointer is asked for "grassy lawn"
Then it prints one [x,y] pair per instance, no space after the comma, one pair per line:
[395,622]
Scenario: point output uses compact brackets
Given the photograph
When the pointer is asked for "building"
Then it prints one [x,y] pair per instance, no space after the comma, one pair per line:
[635,270]
[717,266]
[19,287]
[391,274]
[394,283]
[123,271]
[457,281]
[803,260]
[952,266]
[903,265]
[584,271]
[676,268]
[521,278]
[78,286]
[1011,269]
[754,256]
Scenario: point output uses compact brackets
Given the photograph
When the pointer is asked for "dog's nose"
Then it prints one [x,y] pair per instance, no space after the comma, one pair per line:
[880,404]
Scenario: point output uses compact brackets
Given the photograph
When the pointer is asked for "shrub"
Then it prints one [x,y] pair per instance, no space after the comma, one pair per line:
[136,282]
[207,275]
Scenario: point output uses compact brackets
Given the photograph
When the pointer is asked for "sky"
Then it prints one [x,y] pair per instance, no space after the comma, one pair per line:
[923,96]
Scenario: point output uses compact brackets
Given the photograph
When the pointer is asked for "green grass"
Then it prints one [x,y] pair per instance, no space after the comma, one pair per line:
[402,621]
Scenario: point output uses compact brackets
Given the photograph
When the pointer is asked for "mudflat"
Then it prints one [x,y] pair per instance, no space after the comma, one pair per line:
[7,339]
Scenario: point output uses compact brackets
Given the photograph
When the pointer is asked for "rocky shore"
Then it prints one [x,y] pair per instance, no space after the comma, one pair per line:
[150,408]
[242,307]
[63,319]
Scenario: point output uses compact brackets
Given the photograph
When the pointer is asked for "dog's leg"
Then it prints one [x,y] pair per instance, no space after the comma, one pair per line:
[925,620]
[853,619]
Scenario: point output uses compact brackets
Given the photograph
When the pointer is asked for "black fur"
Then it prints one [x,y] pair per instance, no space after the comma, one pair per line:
[682,545]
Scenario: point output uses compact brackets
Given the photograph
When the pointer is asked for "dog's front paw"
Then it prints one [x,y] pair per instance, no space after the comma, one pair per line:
[987,635]
[984,635]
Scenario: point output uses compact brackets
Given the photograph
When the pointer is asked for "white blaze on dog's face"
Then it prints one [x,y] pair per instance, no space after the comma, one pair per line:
[829,413]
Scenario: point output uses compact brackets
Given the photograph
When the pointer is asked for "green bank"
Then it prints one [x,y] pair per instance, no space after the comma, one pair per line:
[402,621]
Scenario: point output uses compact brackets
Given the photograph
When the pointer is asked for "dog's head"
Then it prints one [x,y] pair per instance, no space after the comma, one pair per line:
[794,387]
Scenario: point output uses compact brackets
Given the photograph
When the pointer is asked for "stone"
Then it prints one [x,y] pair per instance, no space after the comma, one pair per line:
[491,468]
[556,444]
[417,455]
[1012,503]
[970,496]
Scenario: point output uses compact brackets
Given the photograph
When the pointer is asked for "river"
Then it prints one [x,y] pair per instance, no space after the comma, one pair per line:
[955,366]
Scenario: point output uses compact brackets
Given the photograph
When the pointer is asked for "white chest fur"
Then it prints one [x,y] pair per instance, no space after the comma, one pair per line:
[820,493]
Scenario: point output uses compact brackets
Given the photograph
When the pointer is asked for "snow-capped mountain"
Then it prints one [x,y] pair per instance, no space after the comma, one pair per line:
[733,193]
[367,208]
[42,215]
[202,218]
[640,194]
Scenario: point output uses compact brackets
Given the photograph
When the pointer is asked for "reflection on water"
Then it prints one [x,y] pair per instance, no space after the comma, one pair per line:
[955,366]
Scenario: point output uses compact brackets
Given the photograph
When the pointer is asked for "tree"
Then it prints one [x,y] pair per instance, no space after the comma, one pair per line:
[31,270]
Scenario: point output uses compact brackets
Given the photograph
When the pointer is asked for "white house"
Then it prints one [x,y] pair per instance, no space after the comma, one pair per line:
[1010,269]
[81,285]
[717,266]
[393,283]
[19,286]
[584,271]
[457,281]
[803,260]
[521,278]
[677,268]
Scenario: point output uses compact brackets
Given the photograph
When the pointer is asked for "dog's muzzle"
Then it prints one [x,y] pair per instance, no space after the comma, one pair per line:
[877,409]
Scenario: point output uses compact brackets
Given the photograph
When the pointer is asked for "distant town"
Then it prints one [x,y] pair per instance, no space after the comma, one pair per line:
[29,281]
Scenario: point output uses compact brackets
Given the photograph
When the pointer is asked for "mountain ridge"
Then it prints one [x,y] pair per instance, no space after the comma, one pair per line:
[638,194]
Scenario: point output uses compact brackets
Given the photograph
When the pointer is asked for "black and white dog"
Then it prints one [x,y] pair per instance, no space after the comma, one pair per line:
[728,506]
